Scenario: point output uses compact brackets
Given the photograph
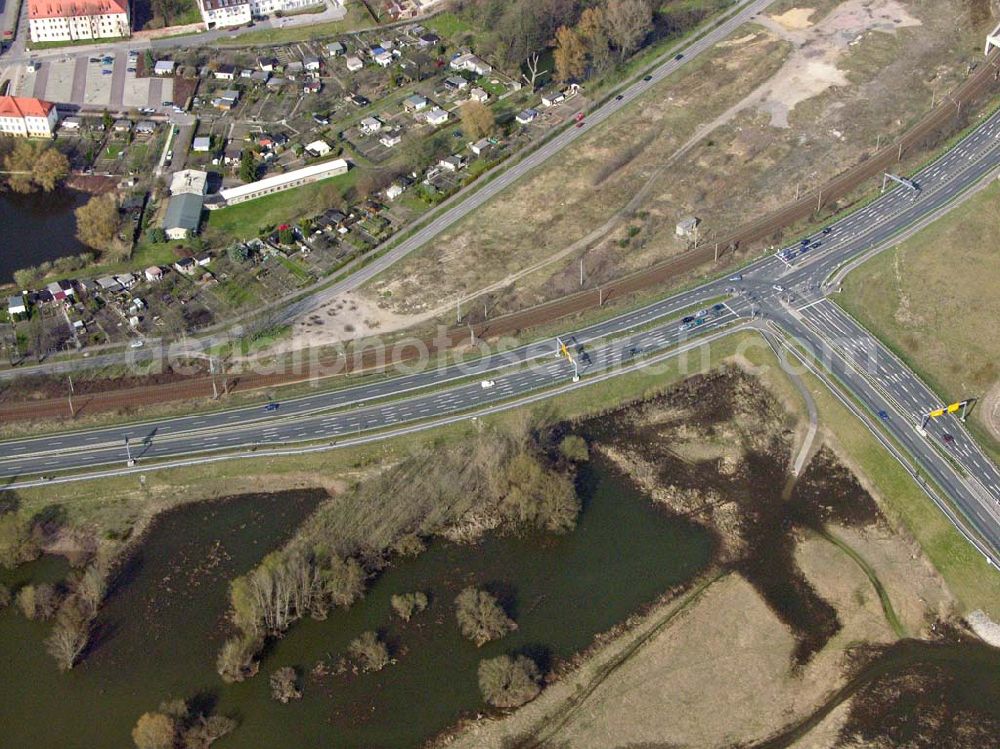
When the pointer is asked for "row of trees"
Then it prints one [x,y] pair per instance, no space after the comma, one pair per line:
[33,165]
[614,28]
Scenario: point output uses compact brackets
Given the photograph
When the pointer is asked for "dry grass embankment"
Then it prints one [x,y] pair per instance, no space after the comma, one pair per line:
[786,102]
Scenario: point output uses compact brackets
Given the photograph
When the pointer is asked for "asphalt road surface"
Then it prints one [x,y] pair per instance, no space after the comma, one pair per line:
[787,289]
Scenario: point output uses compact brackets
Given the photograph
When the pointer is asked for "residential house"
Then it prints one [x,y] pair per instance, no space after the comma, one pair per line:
[267,64]
[526,116]
[551,98]
[185,265]
[122,126]
[310,62]
[437,116]
[275,83]
[61,290]
[319,148]
[109,285]
[393,191]
[312,87]
[71,123]
[354,63]
[164,67]
[478,94]
[481,146]
[414,103]
[233,154]
[154,274]
[428,40]
[145,127]
[16,305]
[332,220]
[203,259]
[28,118]
[202,144]
[293,69]
[335,49]
[225,73]
[370,125]
[260,76]
[452,163]
[227,100]
[384,58]
[391,139]
[470,63]
[455,83]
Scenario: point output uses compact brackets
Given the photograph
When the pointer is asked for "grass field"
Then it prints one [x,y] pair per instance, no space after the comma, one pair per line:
[245,220]
[934,300]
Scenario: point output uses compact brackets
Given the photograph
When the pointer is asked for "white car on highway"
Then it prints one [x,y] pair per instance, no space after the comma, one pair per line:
[487,384]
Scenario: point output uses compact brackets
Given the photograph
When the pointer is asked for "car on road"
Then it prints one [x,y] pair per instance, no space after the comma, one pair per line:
[948,439]
[579,124]
[619,97]
[137,344]
[648,78]
[95,59]
[778,287]
[631,352]
[827,230]
[487,384]
[167,103]
[679,56]
[738,277]
[883,414]
[272,406]
[688,318]
[718,308]
[107,72]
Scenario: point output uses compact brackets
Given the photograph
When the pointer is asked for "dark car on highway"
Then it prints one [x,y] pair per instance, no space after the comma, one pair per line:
[271,406]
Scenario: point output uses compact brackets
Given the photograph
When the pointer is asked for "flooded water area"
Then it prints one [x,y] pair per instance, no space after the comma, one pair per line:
[37,227]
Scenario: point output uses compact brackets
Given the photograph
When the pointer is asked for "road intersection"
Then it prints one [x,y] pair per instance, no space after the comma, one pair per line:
[789,292]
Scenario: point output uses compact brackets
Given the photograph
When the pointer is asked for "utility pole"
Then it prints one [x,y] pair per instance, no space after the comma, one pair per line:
[899,156]
[716,252]
[128,452]
[458,311]
[878,142]
[819,201]
[472,335]
[600,297]
[581,271]
[211,370]
[72,412]
[797,186]
[696,235]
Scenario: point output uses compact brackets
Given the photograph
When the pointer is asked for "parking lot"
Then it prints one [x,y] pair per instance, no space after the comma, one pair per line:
[99,81]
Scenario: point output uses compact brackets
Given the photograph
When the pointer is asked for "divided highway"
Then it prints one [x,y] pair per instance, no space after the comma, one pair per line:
[787,289]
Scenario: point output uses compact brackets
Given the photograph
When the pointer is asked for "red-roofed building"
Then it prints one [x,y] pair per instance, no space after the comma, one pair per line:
[27,118]
[67,20]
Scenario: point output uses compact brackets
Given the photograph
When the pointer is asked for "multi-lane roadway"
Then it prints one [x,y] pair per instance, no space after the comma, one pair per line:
[788,290]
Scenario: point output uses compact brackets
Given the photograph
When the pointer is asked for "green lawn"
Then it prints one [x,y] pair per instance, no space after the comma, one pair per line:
[448,25]
[245,220]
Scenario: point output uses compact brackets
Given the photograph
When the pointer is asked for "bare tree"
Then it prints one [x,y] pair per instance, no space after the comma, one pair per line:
[531,63]
[628,22]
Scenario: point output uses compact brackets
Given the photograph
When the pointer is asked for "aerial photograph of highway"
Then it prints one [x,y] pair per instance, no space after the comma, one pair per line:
[499,374]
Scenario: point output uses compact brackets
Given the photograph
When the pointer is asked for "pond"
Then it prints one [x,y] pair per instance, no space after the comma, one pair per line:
[37,227]
[160,633]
